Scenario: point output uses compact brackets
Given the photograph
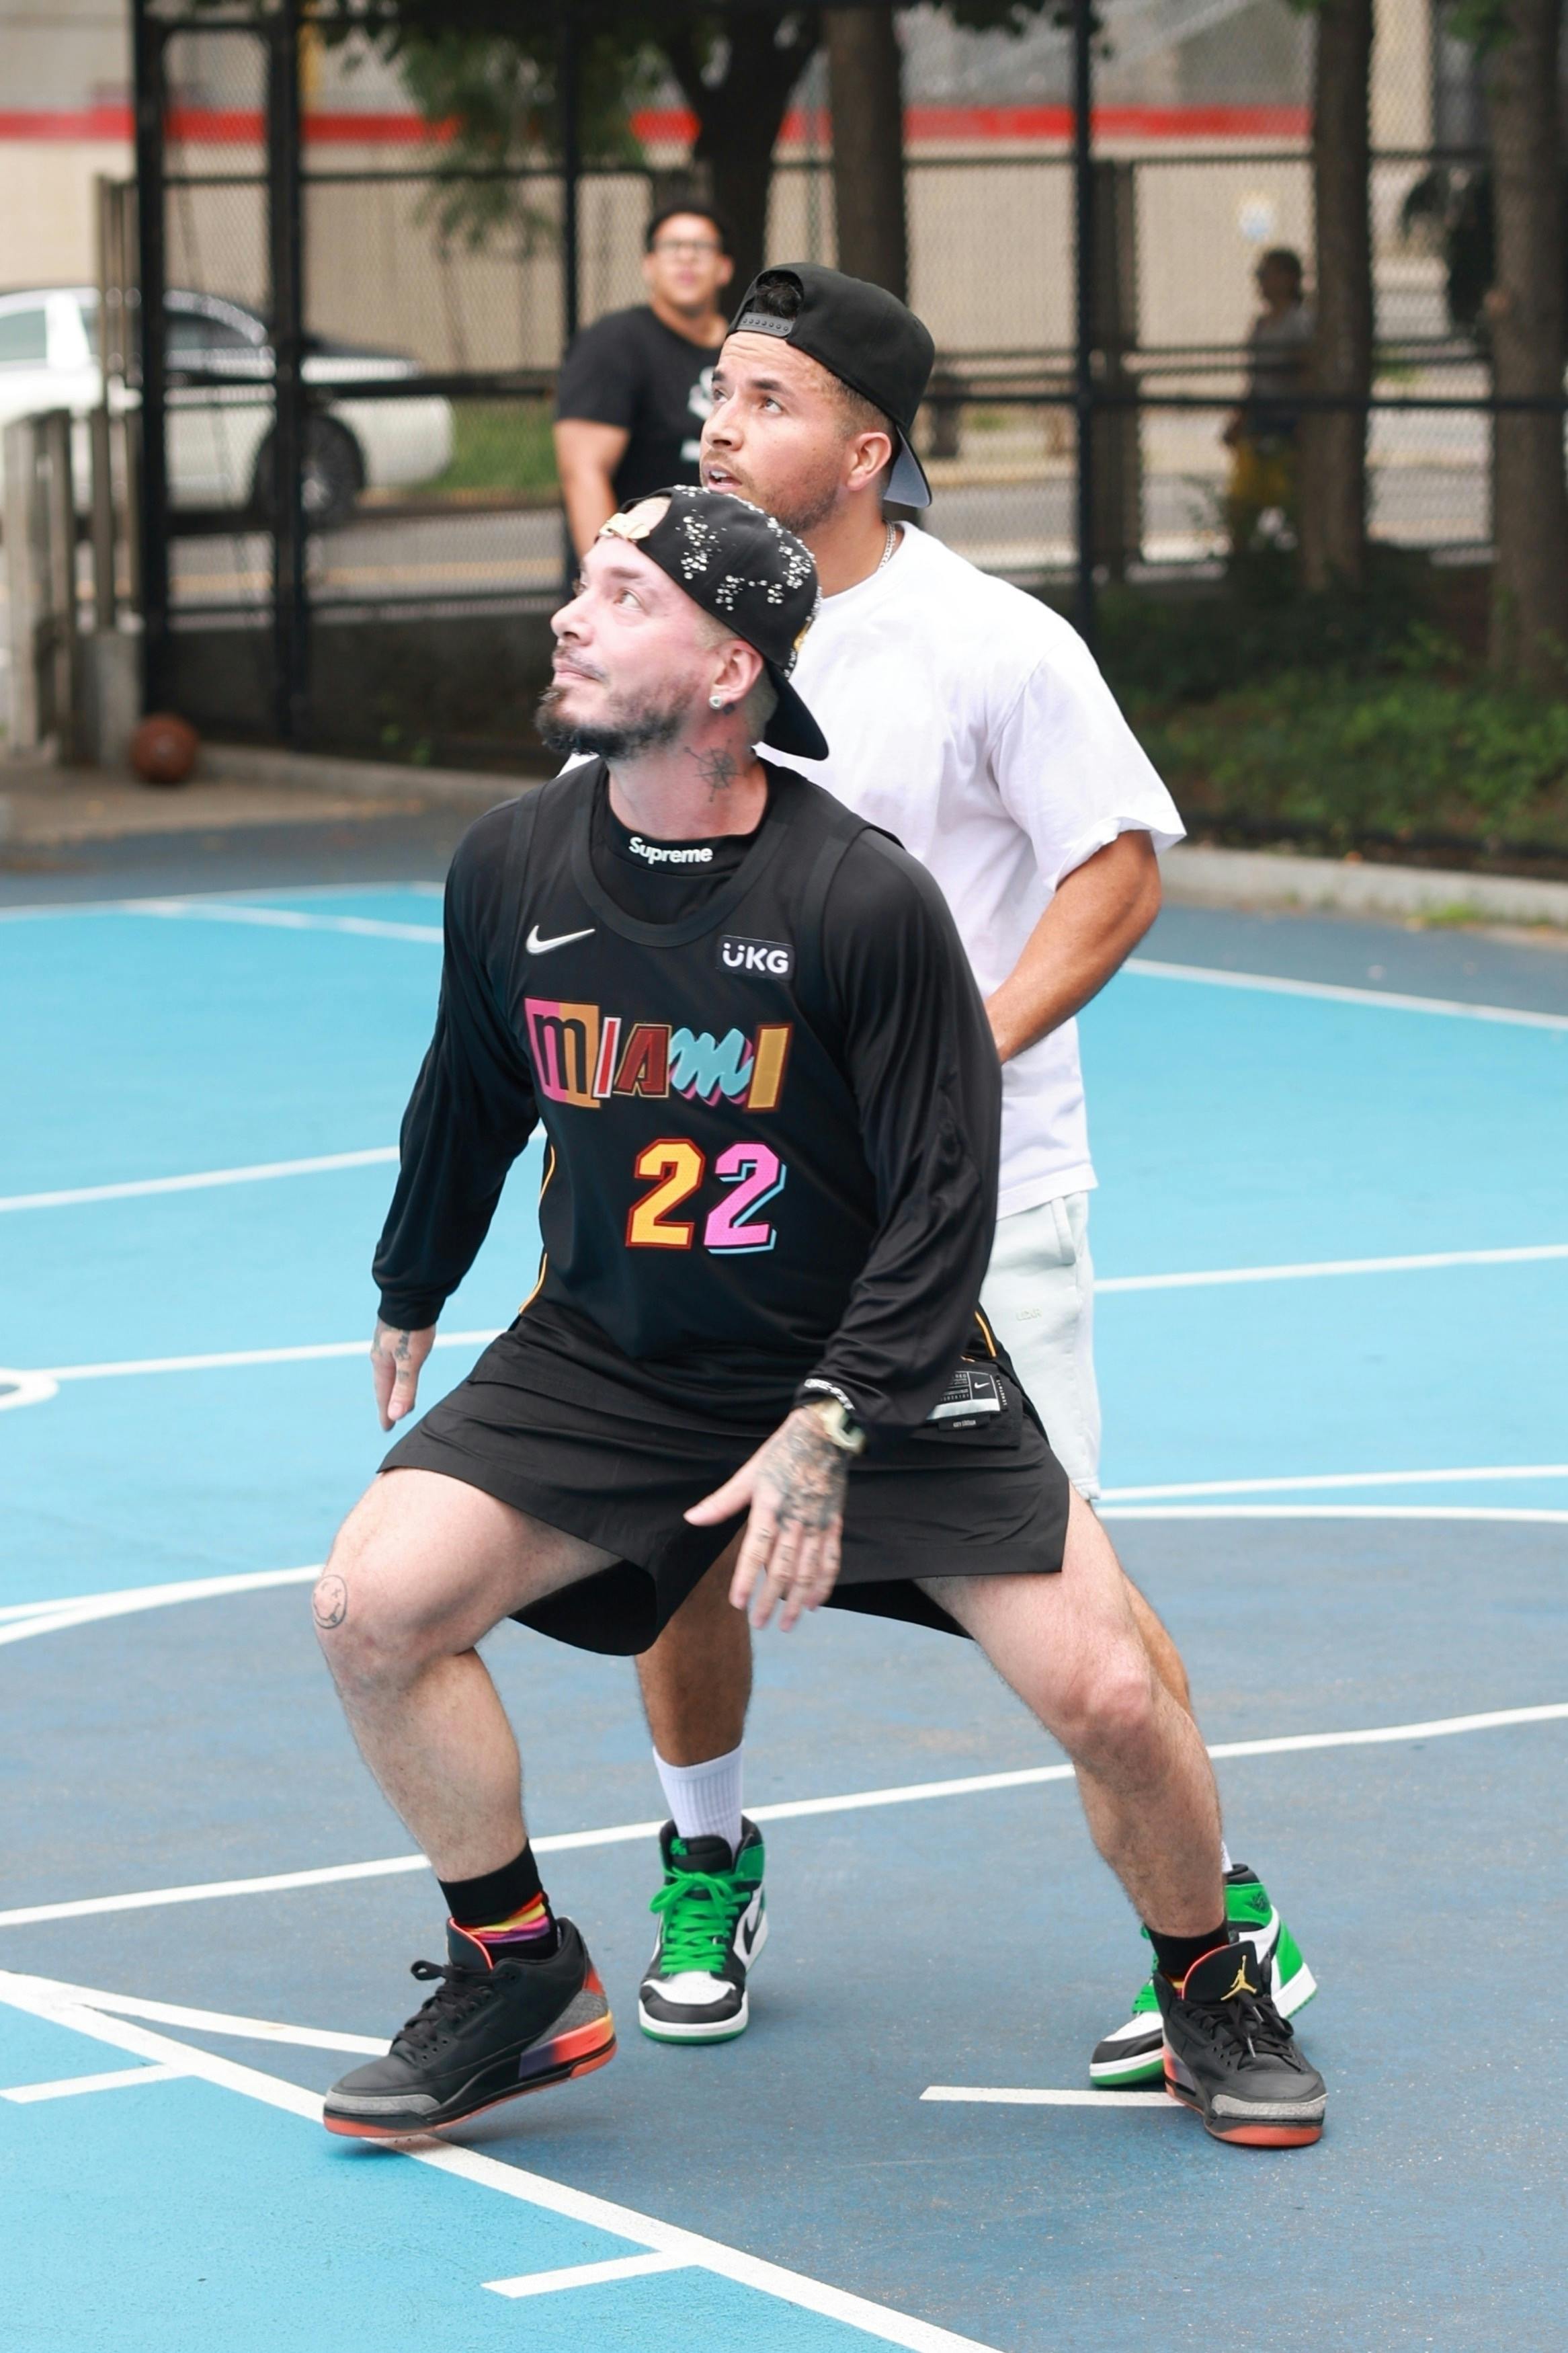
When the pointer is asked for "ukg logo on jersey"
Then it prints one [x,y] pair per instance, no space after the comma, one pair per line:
[774,957]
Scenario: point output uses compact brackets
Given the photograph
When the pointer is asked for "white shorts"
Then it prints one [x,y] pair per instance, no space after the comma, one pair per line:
[1039,1297]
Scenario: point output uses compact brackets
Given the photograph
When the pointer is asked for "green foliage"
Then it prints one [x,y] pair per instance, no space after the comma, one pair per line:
[1340,721]
[501,446]
[1338,760]
[1187,648]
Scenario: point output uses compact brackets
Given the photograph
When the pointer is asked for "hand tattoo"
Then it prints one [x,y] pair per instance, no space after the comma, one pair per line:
[716,768]
[808,1473]
[330,1601]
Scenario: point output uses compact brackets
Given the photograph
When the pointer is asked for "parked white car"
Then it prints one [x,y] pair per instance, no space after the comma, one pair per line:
[219,438]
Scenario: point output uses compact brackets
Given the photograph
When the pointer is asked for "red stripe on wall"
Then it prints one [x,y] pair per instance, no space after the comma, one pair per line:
[239,126]
[1041,123]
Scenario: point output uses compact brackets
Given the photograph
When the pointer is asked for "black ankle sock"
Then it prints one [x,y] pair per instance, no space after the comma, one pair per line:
[497,1896]
[1175,1955]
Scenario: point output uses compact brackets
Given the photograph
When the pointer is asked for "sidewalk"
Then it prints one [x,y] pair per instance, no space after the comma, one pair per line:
[45,807]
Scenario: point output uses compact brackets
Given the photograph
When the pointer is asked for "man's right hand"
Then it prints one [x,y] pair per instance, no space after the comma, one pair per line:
[395,1361]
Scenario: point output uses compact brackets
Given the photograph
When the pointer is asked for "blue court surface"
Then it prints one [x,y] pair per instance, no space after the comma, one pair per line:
[1331,1241]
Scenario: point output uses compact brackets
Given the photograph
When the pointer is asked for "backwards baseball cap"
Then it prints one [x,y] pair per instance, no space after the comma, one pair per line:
[860,333]
[743,567]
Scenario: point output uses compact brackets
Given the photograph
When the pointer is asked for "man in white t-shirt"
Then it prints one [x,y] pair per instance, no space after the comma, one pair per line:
[971,721]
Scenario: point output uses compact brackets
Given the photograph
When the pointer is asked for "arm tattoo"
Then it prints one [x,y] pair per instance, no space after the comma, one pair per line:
[808,1473]
[718,769]
[330,1601]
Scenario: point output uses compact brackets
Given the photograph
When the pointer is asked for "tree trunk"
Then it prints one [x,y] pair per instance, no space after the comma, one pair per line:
[866,82]
[739,118]
[1334,441]
[1529,503]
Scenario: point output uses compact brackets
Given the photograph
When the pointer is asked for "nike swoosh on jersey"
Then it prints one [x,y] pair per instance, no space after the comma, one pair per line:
[536,946]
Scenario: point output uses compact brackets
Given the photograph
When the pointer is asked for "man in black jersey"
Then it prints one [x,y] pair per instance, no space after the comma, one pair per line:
[745,1021]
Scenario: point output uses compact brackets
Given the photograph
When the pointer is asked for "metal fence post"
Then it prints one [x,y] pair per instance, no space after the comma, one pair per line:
[290,614]
[1083,365]
[152,485]
[1117,459]
[24,601]
[105,210]
[60,649]
[568,95]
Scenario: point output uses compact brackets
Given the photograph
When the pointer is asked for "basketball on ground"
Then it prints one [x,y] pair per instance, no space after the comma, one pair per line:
[163,749]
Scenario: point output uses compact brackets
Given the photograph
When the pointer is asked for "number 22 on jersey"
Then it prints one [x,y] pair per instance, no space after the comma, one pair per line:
[752,1173]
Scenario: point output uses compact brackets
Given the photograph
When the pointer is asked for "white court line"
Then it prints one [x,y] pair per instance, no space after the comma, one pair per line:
[220,909]
[280,919]
[619,2267]
[1333,1512]
[220,2022]
[1391,1000]
[118,2080]
[42,2000]
[37,1385]
[315,1353]
[794,1809]
[988,2097]
[1338,1479]
[136,1186]
[1328,1266]
[19,1620]
[221,898]
[24,1620]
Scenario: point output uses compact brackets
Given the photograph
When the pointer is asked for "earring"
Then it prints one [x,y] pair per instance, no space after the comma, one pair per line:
[717,702]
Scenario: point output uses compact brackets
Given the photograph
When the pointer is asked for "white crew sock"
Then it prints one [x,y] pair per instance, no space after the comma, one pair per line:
[1224,1861]
[704,1800]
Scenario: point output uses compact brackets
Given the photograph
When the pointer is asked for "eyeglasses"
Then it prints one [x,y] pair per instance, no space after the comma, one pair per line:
[687,244]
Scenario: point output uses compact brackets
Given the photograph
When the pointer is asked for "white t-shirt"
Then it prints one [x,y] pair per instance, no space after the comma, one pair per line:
[971,721]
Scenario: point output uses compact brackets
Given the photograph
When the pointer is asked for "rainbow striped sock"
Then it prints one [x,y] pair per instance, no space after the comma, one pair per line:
[527,1930]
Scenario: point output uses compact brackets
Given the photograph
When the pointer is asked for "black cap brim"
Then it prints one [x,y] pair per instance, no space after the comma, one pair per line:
[907,484]
[792,727]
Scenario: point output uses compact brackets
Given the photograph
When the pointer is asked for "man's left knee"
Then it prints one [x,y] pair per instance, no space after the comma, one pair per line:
[1109,1707]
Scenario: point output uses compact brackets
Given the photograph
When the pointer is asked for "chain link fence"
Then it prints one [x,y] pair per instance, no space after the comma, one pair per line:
[429,325]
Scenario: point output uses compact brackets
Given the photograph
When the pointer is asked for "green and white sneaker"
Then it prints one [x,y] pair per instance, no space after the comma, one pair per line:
[712,1923]
[1134,2054]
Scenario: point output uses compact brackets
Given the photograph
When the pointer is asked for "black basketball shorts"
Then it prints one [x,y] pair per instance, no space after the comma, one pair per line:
[611,1460]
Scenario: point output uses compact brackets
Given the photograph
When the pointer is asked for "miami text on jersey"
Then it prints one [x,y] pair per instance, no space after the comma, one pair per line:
[580,1055]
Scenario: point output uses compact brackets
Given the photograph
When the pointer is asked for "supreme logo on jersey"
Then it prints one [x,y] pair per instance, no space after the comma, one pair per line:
[774,957]
[660,853]
[581,1055]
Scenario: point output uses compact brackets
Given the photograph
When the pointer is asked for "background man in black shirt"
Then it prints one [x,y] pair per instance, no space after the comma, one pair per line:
[635,386]
[708,1344]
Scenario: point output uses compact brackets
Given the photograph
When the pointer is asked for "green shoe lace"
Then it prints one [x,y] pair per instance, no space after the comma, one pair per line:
[700,1909]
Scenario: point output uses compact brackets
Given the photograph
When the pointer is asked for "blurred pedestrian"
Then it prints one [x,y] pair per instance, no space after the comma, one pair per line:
[635,385]
[1261,434]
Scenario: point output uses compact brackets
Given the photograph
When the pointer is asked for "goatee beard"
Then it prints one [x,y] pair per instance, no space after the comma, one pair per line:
[622,738]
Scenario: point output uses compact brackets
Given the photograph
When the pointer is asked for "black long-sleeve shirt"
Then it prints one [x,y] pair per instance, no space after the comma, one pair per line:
[770,1086]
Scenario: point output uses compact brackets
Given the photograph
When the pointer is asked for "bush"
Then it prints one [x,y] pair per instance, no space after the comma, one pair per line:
[1340,759]
[1341,722]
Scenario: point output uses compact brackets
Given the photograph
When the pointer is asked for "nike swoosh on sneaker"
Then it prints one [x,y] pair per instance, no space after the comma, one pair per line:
[746,1930]
[536,946]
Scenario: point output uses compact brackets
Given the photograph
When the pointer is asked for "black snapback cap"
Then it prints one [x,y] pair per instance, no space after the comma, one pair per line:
[866,337]
[743,566]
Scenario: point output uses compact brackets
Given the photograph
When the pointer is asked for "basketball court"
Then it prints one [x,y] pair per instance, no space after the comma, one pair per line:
[1332,1259]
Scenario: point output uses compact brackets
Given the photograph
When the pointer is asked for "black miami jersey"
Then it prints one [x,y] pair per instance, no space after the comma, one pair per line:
[772,1123]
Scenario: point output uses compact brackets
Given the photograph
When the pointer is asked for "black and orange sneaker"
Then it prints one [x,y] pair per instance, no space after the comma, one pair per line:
[490,2033]
[1231,2056]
